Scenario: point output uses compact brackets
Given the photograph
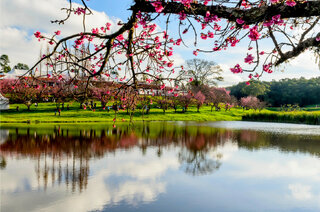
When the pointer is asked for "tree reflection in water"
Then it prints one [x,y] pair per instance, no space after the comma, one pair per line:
[63,154]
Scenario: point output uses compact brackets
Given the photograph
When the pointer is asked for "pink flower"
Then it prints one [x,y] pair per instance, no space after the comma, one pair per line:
[274,1]
[79,11]
[236,69]
[195,53]
[254,34]
[204,36]
[291,3]
[191,79]
[261,53]
[248,83]
[182,16]
[95,30]
[179,42]
[108,26]
[157,6]
[37,34]
[210,34]
[249,59]
[170,64]
[267,69]
[57,32]
[318,38]
[120,37]
[244,26]
[239,21]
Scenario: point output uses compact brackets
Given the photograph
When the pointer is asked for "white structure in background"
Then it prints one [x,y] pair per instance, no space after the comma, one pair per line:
[4,103]
[14,73]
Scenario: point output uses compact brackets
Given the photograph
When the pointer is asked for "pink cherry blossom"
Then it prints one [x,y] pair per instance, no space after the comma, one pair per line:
[239,21]
[291,3]
[254,34]
[274,1]
[195,53]
[37,34]
[236,69]
[204,36]
[249,59]
[157,6]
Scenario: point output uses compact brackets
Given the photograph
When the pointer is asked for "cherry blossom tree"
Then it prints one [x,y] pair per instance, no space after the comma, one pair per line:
[200,99]
[103,94]
[252,102]
[185,101]
[60,92]
[217,96]
[274,31]
[24,92]
[164,103]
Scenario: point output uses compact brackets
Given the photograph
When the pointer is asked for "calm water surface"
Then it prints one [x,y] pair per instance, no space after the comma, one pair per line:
[160,166]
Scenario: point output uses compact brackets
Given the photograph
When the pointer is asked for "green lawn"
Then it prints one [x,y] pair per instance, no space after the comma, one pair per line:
[45,114]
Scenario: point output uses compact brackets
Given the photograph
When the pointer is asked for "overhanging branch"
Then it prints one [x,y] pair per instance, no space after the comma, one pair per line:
[250,16]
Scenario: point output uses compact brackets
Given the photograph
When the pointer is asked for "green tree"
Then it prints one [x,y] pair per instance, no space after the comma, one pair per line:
[21,66]
[256,88]
[4,63]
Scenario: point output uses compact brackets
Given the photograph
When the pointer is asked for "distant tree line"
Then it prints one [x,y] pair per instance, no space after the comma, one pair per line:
[300,92]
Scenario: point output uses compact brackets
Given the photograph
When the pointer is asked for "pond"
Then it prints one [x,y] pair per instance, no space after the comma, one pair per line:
[160,166]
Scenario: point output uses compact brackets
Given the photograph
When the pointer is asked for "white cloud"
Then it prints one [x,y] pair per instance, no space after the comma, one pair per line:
[17,40]
[140,181]
[300,192]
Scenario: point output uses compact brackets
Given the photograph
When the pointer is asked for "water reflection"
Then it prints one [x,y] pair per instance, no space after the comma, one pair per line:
[130,165]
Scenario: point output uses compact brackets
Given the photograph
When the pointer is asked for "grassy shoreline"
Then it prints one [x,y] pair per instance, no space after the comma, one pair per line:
[298,117]
[44,113]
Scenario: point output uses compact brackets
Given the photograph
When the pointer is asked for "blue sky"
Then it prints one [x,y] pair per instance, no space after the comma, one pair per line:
[21,46]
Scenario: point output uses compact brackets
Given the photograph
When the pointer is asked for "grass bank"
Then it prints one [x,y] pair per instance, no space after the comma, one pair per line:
[44,113]
[300,117]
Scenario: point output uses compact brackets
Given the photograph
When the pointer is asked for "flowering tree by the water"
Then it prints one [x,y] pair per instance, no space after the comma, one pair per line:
[185,101]
[23,92]
[60,93]
[200,98]
[274,31]
[217,96]
[103,94]
[252,102]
